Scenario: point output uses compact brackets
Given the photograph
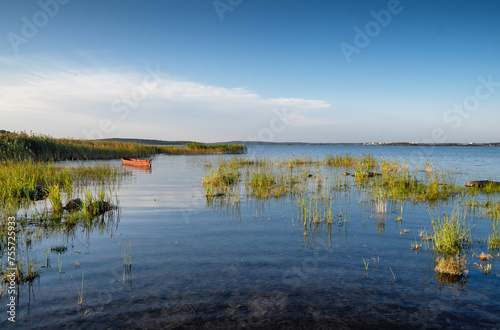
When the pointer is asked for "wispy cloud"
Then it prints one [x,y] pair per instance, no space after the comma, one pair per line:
[300,103]
[78,100]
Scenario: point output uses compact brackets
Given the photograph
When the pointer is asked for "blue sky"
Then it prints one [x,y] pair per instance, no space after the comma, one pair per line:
[280,70]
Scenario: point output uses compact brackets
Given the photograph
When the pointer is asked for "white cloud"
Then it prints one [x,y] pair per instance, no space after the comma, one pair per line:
[71,102]
[300,103]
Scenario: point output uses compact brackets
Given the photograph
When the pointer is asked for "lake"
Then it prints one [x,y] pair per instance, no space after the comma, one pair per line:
[198,264]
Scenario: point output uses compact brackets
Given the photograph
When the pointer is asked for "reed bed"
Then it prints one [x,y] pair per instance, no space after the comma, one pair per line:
[349,161]
[267,182]
[18,179]
[24,146]
[320,190]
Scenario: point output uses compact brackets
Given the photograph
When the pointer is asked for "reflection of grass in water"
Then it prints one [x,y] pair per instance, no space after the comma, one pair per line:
[24,271]
[59,249]
[489,209]
[127,254]
[127,260]
[59,264]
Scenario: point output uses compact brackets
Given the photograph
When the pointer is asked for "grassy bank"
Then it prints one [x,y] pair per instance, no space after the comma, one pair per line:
[23,146]
[39,200]
[18,179]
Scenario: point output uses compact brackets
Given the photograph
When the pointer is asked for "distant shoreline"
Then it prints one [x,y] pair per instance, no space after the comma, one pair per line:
[397,144]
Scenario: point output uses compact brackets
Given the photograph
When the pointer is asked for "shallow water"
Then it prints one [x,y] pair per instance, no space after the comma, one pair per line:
[249,266]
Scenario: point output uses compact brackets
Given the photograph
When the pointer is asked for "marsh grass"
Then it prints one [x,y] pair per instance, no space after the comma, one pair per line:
[37,219]
[55,197]
[19,178]
[317,188]
[24,146]
[494,237]
[219,148]
[450,233]
[401,185]
[349,161]
[314,209]
[223,176]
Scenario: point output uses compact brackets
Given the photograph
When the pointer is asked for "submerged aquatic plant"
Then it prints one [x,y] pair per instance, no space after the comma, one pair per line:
[80,291]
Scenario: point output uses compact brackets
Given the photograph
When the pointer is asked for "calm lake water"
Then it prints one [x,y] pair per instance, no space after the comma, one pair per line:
[250,265]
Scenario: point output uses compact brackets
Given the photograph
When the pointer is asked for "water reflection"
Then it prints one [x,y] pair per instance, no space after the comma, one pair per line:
[145,169]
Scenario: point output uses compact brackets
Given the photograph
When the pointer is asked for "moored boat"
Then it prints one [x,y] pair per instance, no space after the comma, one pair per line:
[136,162]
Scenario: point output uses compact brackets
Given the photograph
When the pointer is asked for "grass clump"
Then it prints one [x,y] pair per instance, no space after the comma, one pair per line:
[222,176]
[366,161]
[451,233]
[451,266]
[265,183]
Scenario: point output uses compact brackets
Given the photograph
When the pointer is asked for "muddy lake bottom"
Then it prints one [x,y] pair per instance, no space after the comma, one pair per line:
[250,265]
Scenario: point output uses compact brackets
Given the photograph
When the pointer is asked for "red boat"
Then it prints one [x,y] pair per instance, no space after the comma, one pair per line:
[136,162]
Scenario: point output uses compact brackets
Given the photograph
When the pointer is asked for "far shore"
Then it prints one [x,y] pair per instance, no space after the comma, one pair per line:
[398,144]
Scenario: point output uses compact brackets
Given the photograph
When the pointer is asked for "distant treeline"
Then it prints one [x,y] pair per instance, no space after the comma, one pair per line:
[24,146]
[400,144]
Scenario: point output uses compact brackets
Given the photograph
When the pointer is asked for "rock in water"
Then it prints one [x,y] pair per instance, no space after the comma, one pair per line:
[74,204]
[482,183]
[39,193]
[99,207]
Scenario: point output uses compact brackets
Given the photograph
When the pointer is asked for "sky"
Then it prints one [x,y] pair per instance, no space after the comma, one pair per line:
[325,71]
